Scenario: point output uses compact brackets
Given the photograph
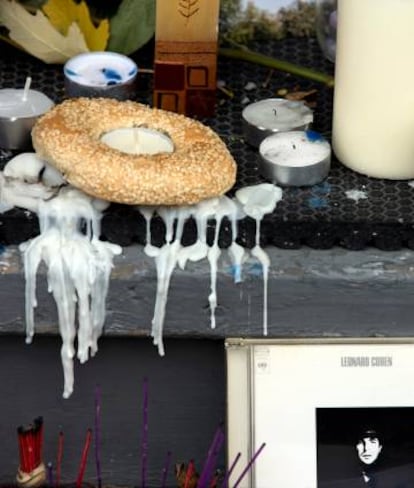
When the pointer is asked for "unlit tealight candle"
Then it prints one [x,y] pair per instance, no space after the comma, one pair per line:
[100,74]
[138,140]
[19,110]
[14,105]
[273,115]
[295,158]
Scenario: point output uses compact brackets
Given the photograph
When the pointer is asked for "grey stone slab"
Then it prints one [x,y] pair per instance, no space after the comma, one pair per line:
[334,293]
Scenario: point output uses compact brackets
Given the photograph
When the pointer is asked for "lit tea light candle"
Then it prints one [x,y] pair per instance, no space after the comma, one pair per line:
[272,115]
[100,74]
[295,158]
[138,140]
[19,110]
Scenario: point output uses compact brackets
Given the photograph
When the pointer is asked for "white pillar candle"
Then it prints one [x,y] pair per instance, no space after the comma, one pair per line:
[295,158]
[138,140]
[272,115]
[373,118]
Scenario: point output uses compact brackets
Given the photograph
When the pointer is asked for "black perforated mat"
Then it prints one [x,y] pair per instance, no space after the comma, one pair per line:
[320,217]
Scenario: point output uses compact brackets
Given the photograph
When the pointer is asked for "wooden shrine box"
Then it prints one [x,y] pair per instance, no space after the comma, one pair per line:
[186,56]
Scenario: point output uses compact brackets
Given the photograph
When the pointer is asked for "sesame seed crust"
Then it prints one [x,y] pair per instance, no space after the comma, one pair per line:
[68,137]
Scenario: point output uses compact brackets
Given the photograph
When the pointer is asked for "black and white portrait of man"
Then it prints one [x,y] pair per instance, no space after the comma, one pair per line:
[365,447]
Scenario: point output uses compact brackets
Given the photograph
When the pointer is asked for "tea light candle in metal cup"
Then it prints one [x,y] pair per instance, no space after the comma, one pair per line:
[100,74]
[138,140]
[269,116]
[19,110]
[295,158]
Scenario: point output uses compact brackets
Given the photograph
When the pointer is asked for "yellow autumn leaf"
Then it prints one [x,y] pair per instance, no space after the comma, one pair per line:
[63,13]
[36,35]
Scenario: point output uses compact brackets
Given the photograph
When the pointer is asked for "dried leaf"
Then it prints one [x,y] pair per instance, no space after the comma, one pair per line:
[132,26]
[300,95]
[35,34]
[62,13]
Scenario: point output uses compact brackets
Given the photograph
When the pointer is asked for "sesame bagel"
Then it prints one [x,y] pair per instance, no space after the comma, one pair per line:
[69,138]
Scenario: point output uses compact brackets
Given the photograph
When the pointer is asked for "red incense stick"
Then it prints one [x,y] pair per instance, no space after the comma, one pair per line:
[38,440]
[59,459]
[84,459]
[189,473]
[24,453]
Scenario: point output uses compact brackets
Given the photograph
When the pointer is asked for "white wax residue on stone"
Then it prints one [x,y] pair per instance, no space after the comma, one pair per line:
[294,149]
[78,263]
[277,114]
[13,104]
[100,69]
[356,195]
[138,140]
[257,201]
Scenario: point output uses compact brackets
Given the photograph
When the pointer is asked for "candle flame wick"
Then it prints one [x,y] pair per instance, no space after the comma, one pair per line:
[26,88]
[275,112]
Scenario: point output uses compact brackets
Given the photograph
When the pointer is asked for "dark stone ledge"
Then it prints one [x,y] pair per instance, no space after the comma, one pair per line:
[331,293]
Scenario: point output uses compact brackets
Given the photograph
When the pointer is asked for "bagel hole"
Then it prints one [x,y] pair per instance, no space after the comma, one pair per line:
[138,140]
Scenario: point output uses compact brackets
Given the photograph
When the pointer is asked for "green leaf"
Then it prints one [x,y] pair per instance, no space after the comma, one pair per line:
[132,26]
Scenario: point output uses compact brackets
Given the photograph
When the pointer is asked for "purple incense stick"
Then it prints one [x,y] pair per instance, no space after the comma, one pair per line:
[225,482]
[50,473]
[98,434]
[213,460]
[165,470]
[144,443]
[249,465]
[210,460]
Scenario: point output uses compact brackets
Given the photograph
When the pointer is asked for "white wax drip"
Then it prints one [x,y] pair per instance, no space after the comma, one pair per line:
[78,264]
[255,201]
[166,258]
[258,201]
[78,270]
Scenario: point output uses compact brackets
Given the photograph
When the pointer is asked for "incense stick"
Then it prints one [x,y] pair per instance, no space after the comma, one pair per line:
[98,435]
[50,473]
[249,465]
[225,482]
[84,459]
[59,459]
[165,470]
[189,473]
[144,437]
[211,457]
